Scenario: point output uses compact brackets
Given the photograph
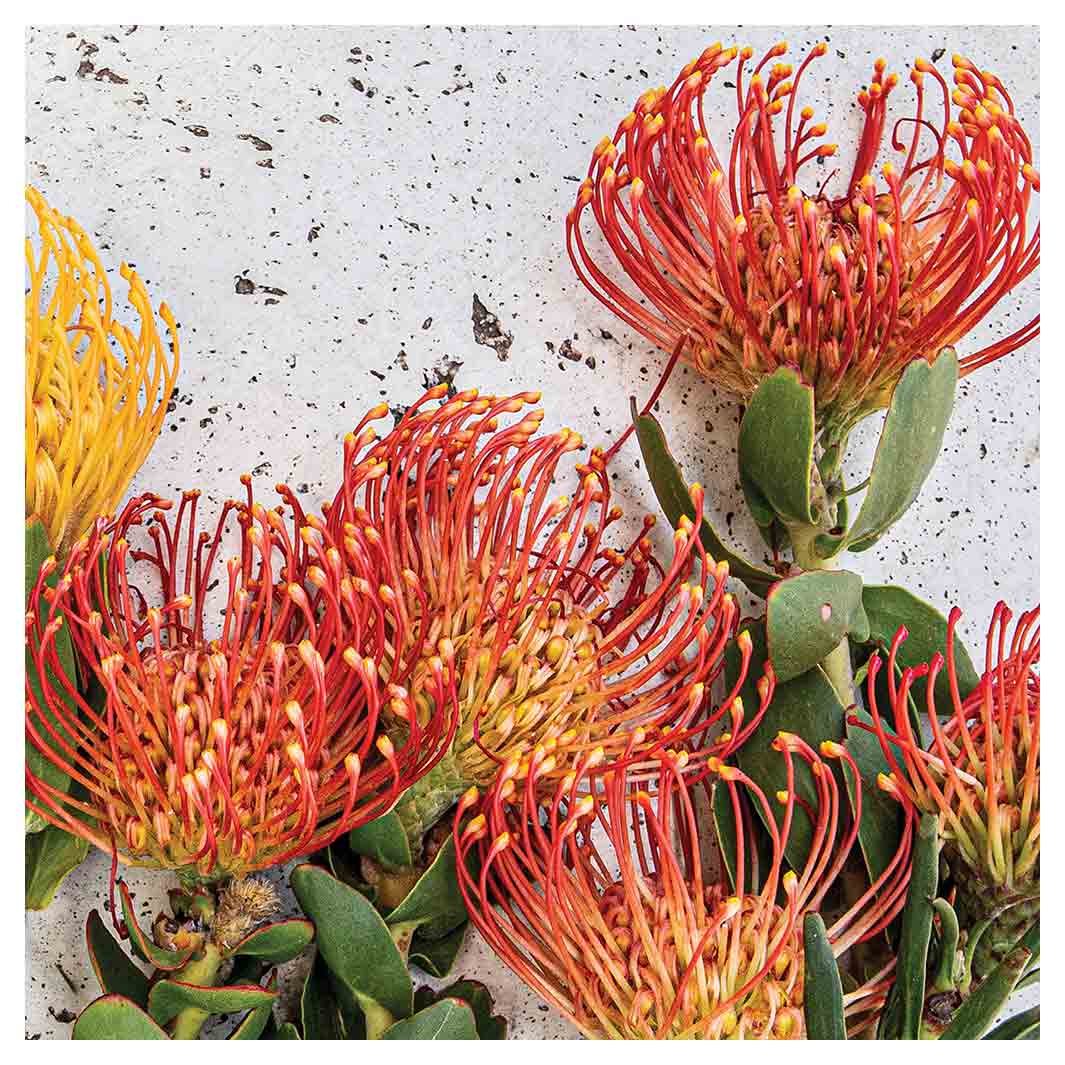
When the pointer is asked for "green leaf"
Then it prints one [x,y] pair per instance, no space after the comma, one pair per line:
[674,499]
[905,1005]
[254,1022]
[978,1012]
[50,856]
[435,903]
[909,446]
[808,706]
[1022,1026]
[880,830]
[288,1031]
[115,973]
[278,942]
[822,989]
[115,1017]
[384,840]
[437,956]
[808,615]
[447,1019]
[354,941]
[319,1011]
[169,997]
[889,607]
[37,550]
[776,447]
[143,946]
[479,999]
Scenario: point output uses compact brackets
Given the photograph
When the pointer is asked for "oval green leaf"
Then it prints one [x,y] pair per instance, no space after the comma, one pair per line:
[143,947]
[254,1023]
[673,497]
[384,840]
[808,615]
[50,856]
[978,1012]
[479,999]
[278,942]
[447,1019]
[776,448]
[434,903]
[319,1011]
[115,1017]
[822,988]
[115,973]
[437,956]
[1023,1026]
[353,939]
[905,1006]
[909,446]
[169,997]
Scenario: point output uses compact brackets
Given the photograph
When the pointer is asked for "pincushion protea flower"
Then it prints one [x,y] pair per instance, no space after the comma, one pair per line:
[980,775]
[559,642]
[217,754]
[96,391]
[599,900]
[726,247]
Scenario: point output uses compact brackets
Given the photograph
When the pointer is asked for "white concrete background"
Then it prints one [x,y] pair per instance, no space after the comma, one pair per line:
[431,165]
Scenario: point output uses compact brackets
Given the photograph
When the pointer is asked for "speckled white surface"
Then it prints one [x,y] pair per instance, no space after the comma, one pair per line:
[397,174]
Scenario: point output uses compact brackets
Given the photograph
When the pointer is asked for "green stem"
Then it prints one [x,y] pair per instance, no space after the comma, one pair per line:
[204,972]
[837,664]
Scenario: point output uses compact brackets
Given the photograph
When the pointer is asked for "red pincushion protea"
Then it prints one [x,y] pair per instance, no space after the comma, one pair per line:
[727,248]
[218,755]
[980,774]
[560,642]
[599,900]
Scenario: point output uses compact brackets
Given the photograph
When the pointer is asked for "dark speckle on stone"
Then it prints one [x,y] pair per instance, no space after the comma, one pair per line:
[487,331]
[568,351]
[256,142]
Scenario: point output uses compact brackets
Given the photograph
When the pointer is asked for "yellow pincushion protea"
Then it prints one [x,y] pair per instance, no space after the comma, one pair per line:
[96,391]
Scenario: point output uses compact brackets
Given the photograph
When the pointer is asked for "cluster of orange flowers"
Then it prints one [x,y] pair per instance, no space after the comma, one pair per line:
[452,627]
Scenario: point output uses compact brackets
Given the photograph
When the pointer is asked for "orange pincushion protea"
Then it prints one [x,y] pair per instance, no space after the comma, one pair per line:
[728,249]
[215,755]
[560,642]
[96,392]
[980,775]
[598,898]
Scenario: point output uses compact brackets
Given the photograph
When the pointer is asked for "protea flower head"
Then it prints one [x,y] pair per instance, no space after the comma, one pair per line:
[560,642]
[980,775]
[599,898]
[738,248]
[96,390]
[215,753]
